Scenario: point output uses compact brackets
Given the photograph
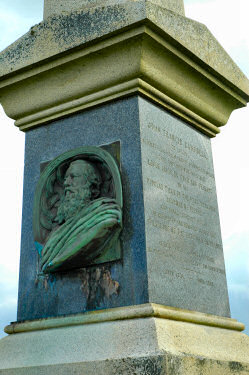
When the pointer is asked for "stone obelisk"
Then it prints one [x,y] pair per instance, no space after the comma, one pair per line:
[122,268]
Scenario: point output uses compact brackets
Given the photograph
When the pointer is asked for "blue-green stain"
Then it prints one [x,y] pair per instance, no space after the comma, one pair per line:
[39,247]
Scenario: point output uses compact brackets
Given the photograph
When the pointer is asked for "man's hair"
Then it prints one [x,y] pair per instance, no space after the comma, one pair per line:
[92,176]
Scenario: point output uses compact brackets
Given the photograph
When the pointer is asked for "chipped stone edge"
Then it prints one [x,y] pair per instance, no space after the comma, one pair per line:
[149,310]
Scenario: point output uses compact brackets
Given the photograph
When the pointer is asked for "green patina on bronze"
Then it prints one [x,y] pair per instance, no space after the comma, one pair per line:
[78,210]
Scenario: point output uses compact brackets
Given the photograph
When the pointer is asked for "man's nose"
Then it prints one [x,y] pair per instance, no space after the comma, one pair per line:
[67,181]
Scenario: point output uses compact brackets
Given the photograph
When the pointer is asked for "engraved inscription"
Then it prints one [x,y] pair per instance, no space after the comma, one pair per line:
[181,208]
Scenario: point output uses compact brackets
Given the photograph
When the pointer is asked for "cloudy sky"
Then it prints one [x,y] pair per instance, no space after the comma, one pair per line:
[228,21]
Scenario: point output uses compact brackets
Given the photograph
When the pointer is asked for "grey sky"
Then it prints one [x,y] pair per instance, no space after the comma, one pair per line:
[24,8]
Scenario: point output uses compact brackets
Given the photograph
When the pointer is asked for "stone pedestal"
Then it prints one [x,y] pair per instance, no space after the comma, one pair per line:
[146,339]
[150,87]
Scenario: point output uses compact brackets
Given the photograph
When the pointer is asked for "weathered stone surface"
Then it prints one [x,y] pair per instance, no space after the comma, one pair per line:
[134,61]
[66,31]
[148,346]
[52,7]
[99,54]
[147,310]
[183,241]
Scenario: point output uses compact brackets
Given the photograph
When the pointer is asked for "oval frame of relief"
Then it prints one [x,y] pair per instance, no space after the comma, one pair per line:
[93,154]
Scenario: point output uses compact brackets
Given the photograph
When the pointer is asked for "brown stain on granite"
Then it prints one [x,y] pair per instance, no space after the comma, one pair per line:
[98,286]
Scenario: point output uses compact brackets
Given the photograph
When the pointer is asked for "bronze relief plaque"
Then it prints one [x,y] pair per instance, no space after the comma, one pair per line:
[77,216]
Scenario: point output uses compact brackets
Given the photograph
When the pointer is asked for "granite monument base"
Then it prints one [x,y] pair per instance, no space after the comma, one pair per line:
[147,339]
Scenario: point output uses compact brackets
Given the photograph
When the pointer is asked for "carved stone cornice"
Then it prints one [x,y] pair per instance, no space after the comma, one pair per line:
[57,69]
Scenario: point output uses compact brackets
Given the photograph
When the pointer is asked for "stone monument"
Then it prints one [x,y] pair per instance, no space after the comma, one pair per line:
[122,268]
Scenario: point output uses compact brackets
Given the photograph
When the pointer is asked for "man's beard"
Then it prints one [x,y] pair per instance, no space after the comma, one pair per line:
[71,204]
